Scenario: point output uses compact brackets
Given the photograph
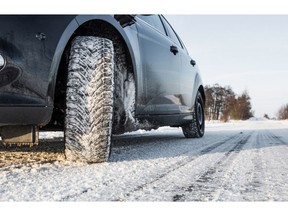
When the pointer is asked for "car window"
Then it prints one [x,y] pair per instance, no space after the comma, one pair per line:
[172,33]
[153,20]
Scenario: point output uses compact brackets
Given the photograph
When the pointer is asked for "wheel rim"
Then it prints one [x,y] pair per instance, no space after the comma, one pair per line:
[199,114]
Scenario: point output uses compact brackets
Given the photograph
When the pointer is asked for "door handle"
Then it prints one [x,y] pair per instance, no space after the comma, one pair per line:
[193,62]
[174,49]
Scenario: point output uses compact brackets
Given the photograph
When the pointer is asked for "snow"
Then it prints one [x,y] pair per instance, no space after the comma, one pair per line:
[234,161]
[51,135]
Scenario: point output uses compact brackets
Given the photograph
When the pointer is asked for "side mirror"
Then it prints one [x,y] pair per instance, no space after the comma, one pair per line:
[125,20]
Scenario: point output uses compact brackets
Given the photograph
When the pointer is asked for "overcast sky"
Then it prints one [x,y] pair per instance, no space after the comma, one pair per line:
[247,52]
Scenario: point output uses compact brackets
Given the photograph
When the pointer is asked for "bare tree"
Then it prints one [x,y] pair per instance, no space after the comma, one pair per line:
[209,104]
[215,99]
[222,103]
[228,104]
[283,112]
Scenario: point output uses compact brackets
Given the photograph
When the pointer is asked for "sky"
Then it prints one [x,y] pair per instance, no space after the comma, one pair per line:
[246,52]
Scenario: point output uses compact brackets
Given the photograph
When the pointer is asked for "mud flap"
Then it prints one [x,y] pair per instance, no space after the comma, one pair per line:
[20,135]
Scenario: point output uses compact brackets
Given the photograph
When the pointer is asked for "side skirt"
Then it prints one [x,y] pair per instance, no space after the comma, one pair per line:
[175,120]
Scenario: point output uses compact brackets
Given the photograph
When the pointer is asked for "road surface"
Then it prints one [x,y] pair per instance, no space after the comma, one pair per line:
[236,161]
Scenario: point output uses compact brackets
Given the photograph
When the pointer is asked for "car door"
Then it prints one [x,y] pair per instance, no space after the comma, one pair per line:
[187,74]
[160,68]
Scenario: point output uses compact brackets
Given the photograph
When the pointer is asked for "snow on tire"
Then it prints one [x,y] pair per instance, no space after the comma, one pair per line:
[196,128]
[89,100]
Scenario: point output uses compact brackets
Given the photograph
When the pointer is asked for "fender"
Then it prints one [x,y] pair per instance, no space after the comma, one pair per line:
[71,28]
[197,84]
[65,39]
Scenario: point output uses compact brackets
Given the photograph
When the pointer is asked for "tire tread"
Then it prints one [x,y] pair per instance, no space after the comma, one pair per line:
[89,100]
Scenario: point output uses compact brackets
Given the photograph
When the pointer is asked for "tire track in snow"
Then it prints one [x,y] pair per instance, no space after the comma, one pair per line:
[262,186]
[71,196]
[255,173]
[199,150]
[278,169]
[260,190]
[279,139]
[207,184]
[181,163]
[251,177]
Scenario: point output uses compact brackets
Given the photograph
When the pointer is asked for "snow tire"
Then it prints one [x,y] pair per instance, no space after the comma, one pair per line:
[89,100]
[196,128]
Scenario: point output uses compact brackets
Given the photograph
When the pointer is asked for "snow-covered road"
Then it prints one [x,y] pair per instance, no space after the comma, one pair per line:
[237,161]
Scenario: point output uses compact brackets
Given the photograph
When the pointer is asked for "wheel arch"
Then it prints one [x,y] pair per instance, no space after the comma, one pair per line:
[82,25]
[202,92]
[198,86]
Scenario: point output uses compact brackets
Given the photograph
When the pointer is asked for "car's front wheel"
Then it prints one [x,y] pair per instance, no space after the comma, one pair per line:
[89,99]
[196,128]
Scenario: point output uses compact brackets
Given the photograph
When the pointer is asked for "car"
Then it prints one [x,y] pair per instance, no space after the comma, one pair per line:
[93,76]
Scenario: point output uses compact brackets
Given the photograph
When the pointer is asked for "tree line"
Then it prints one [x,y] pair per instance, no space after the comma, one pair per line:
[222,103]
[283,112]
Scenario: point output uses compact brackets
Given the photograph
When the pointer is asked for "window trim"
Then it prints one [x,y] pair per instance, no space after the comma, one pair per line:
[165,30]
[165,22]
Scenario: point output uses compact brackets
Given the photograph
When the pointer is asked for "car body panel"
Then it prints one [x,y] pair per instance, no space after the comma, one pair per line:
[32,45]
[29,55]
[160,69]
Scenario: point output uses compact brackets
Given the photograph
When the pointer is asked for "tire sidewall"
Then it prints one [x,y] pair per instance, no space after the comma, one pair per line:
[200,127]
